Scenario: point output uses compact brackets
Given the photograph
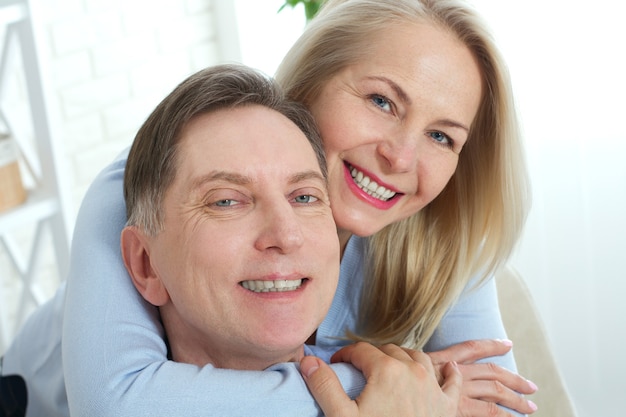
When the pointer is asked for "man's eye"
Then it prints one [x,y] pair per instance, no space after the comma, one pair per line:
[225,203]
[304,199]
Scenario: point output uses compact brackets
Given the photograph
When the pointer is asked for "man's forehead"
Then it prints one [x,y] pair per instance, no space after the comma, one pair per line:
[244,146]
[243,179]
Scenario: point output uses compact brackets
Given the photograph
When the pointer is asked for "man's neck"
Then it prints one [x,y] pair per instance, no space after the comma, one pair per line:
[251,361]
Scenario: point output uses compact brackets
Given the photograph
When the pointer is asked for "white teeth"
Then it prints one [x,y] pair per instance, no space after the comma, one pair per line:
[370,187]
[279,285]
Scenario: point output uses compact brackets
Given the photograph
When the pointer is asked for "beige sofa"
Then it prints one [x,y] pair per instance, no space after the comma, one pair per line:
[531,346]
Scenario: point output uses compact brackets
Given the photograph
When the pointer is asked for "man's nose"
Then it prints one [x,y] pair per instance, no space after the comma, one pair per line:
[280,228]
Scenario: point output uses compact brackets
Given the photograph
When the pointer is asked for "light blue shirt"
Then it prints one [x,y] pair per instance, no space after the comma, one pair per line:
[114,357]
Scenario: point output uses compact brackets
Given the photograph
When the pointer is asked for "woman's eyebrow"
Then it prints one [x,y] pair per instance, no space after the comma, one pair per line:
[404,97]
[452,123]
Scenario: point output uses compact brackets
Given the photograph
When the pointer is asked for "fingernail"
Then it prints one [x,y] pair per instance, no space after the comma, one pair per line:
[507,342]
[532,385]
[532,405]
[309,370]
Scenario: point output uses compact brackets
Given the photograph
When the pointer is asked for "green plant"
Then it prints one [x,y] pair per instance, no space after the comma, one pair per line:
[310,6]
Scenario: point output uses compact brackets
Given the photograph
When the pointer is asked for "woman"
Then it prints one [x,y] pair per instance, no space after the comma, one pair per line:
[471,227]
[448,205]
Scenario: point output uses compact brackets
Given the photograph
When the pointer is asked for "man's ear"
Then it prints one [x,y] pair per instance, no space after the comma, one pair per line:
[136,255]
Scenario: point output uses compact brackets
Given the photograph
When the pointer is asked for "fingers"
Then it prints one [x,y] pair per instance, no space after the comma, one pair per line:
[486,385]
[365,357]
[452,381]
[492,372]
[471,351]
[484,392]
[477,408]
[326,388]
[489,383]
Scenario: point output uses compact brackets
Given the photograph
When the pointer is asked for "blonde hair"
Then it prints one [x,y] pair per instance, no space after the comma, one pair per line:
[419,266]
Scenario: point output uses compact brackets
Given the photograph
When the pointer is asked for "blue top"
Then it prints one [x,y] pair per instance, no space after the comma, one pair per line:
[114,355]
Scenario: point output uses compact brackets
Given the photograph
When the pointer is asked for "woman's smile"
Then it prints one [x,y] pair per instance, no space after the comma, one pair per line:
[370,188]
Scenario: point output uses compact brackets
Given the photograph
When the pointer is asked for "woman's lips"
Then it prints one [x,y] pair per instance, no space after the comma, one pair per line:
[369,188]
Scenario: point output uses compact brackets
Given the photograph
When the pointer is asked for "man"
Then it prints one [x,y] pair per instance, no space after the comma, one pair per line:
[234,239]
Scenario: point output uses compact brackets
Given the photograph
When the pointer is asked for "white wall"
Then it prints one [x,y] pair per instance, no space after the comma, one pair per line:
[265,36]
[568,67]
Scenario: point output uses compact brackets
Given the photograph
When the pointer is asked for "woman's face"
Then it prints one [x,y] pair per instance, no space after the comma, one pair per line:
[394,124]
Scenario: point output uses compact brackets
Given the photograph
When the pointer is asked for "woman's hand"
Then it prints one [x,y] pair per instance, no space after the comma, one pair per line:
[400,382]
[486,384]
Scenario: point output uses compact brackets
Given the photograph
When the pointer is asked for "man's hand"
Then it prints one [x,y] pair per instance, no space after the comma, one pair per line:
[486,384]
[400,382]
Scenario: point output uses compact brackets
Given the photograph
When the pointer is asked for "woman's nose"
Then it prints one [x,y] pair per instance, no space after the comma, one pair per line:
[400,151]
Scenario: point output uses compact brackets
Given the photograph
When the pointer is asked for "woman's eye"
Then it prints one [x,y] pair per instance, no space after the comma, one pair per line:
[381,102]
[305,199]
[441,138]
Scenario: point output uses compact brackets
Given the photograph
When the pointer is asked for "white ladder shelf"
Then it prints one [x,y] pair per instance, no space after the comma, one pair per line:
[47,205]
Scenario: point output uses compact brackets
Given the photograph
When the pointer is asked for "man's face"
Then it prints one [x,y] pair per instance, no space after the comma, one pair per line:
[249,254]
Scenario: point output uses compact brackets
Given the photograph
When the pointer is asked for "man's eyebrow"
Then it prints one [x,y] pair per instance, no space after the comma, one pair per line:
[231,177]
[307,175]
[395,87]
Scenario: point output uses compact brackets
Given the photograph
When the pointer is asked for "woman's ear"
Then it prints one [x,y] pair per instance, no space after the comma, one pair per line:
[136,255]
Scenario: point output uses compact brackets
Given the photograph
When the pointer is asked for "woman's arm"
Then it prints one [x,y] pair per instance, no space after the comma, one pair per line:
[114,355]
